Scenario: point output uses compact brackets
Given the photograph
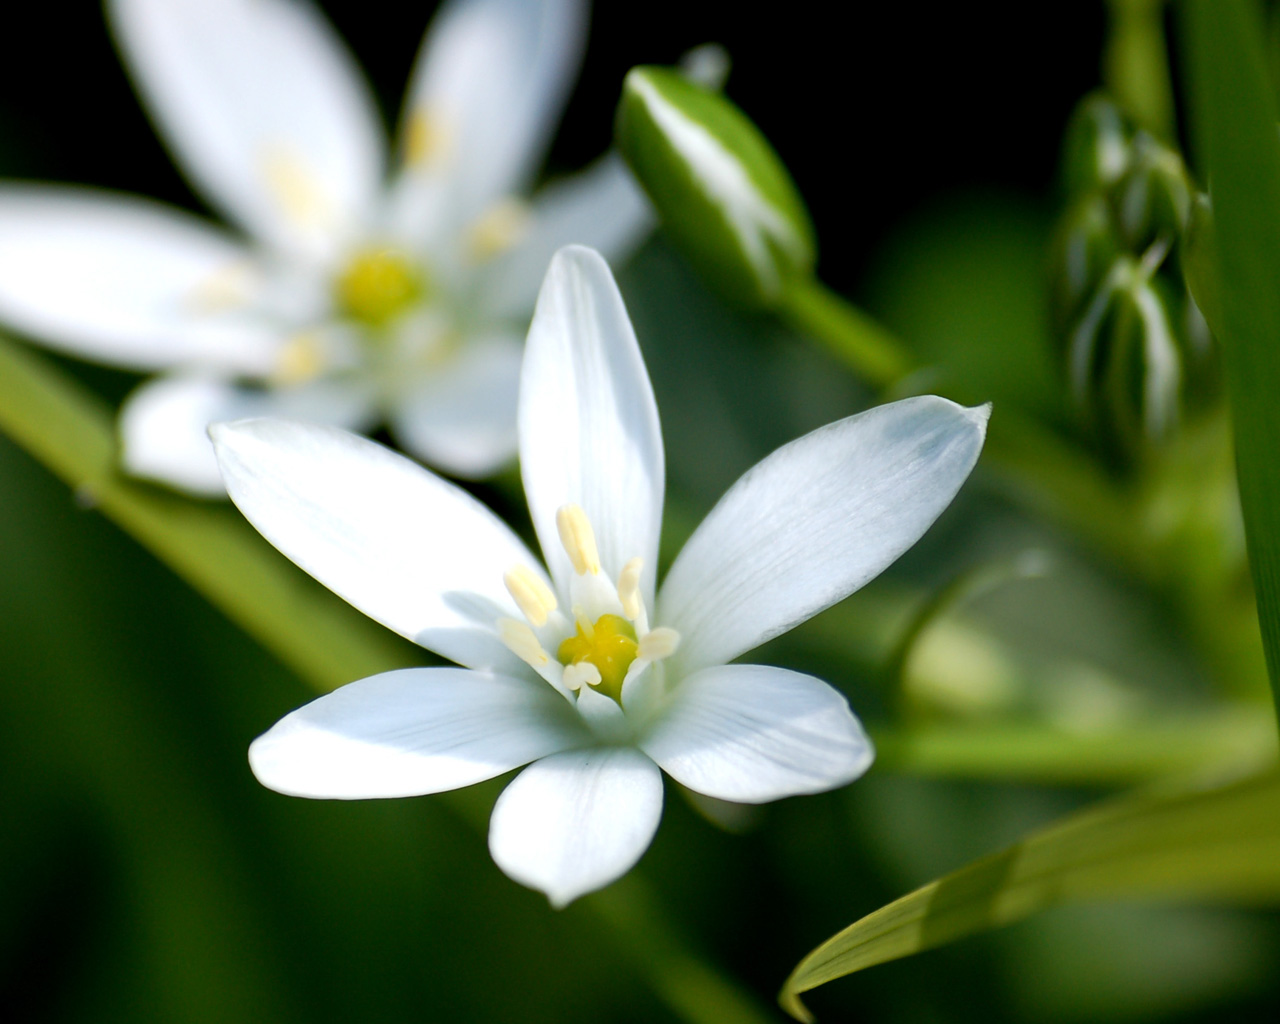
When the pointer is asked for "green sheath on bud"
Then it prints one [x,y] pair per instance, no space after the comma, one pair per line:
[1083,251]
[723,195]
[1154,197]
[1125,356]
[1096,146]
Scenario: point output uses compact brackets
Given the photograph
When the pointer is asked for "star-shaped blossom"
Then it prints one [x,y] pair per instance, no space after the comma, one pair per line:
[349,295]
[577,662]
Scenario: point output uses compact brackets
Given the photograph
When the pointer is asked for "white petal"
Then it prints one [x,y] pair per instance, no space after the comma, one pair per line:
[601,207]
[576,821]
[413,731]
[408,549]
[752,733]
[127,281]
[487,89]
[462,419]
[589,430]
[265,110]
[164,424]
[813,522]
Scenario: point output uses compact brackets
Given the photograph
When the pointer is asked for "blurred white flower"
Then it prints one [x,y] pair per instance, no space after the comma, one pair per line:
[356,294]
[577,667]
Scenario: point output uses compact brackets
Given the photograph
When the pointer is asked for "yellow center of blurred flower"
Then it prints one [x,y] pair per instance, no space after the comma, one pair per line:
[378,285]
[609,644]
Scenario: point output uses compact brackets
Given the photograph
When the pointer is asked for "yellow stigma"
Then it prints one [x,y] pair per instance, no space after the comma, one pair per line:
[378,285]
[578,538]
[610,645]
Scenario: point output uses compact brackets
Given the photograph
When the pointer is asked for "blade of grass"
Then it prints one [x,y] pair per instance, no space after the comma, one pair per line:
[1234,118]
[207,544]
[1220,843]
[1235,738]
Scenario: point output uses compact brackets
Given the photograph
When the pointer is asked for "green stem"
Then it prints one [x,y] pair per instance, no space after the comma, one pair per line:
[1037,467]
[1136,67]
[854,338]
[1232,739]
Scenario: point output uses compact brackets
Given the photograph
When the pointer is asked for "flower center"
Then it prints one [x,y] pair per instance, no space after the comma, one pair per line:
[605,642]
[378,285]
[609,644]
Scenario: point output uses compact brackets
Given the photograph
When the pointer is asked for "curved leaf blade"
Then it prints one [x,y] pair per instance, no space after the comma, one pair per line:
[1234,117]
[1220,843]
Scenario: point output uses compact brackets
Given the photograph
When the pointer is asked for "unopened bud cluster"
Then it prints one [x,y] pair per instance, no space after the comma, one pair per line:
[1133,343]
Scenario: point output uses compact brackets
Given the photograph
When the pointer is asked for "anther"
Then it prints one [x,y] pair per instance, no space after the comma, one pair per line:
[301,359]
[426,140]
[292,184]
[522,643]
[578,538]
[583,673]
[629,588]
[659,643]
[497,229]
[533,597]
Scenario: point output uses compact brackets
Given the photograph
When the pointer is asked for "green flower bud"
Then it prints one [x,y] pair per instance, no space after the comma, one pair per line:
[1153,199]
[723,195]
[1096,147]
[1125,356]
[1084,249]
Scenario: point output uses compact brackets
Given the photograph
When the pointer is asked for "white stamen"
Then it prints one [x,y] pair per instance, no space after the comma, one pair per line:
[658,643]
[531,595]
[292,184]
[301,358]
[579,539]
[629,588]
[583,621]
[427,139]
[583,673]
[521,641]
[496,230]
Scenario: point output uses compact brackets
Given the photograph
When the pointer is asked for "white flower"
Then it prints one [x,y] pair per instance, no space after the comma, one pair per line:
[579,667]
[347,300]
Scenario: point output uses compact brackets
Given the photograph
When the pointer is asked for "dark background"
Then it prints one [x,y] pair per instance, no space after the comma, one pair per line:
[876,108]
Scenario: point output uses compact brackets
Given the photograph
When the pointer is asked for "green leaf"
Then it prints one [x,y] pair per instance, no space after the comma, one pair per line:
[722,192]
[1220,843]
[208,544]
[1234,117]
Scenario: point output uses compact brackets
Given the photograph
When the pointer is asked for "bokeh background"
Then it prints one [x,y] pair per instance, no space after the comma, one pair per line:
[145,876]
